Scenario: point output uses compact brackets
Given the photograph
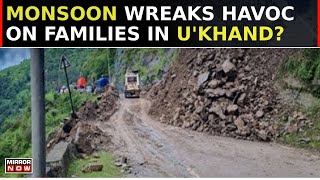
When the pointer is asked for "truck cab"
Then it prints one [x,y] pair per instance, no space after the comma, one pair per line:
[132,84]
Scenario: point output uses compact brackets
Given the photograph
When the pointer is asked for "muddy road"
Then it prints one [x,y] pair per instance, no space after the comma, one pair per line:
[154,149]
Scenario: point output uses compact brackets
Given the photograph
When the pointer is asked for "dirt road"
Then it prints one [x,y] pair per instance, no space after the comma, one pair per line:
[159,150]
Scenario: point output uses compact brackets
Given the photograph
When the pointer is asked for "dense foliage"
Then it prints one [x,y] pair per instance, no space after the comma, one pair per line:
[149,62]
[15,81]
[54,75]
[305,67]
[16,138]
[14,89]
[91,63]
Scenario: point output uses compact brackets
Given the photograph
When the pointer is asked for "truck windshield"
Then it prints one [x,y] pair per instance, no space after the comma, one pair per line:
[132,79]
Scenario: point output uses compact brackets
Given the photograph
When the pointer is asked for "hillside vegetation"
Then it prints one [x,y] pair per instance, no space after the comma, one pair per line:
[16,138]
[15,82]
[91,63]
[305,68]
[15,119]
[151,63]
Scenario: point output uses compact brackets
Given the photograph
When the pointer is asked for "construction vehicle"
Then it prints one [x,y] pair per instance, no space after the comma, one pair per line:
[132,84]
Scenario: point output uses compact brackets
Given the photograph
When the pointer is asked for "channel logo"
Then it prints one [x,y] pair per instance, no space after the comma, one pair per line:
[18,165]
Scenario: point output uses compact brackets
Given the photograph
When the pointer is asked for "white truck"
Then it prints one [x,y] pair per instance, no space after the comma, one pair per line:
[132,84]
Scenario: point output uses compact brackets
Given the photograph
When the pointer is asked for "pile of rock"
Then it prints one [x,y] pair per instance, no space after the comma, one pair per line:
[124,165]
[297,122]
[92,168]
[108,104]
[82,131]
[229,92]
[87,137]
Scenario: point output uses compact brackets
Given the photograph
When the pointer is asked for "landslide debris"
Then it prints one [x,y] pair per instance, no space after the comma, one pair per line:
[83,131]
[229,92]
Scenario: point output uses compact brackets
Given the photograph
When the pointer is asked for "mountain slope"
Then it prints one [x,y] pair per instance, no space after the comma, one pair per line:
[15,83]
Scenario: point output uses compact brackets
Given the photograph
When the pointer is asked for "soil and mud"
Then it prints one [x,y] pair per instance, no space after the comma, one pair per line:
[154,149]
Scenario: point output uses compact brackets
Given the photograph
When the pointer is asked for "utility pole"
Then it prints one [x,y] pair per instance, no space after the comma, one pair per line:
[38,113]
[109,73]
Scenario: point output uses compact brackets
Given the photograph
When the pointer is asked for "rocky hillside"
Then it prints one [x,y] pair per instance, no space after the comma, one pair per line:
[229,92]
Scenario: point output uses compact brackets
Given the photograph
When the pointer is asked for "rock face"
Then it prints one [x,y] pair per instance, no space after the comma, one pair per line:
[229,92]
[58,159]
[92,168]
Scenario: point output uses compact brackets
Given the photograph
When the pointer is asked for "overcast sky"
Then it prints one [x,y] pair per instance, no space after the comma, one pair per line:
[10,57]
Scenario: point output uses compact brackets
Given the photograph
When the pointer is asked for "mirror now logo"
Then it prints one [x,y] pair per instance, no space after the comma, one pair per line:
[18,165]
